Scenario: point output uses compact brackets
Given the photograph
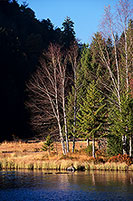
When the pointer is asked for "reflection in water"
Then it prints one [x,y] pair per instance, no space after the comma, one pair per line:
[93,185]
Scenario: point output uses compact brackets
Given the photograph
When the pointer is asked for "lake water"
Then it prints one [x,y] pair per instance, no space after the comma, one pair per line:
[93,185]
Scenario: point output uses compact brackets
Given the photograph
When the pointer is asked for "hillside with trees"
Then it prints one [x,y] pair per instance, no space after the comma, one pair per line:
[23,38]
[55,88]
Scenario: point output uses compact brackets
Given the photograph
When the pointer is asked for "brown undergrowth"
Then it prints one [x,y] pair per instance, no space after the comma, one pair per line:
[21,155]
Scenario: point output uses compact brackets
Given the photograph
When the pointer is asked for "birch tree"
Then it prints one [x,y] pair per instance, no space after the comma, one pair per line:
[62,64]
[118,65]
[47,92]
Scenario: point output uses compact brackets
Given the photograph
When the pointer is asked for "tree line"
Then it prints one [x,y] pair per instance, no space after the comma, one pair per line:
[22,39]
[77,91]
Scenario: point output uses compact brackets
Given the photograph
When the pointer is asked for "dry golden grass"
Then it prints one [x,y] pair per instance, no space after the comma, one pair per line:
[19,155]
[130,167]
[35,146]
[20,146]
[30,156]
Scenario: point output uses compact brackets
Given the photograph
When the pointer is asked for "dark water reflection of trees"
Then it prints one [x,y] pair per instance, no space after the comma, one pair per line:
[39,185]
[91,178]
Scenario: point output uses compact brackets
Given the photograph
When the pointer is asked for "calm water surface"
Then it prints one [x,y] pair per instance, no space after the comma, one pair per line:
[38,186]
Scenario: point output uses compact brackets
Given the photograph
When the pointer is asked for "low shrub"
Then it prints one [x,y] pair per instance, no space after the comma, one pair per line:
[101,152]
[91,159]
[121,158]
[96,160]
[68,157]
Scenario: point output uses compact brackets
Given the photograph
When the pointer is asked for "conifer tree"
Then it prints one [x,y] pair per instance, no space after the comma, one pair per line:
[84,73]
[91,116]
[81,81]
[48,144]
[68,34]
[73,59]
[118,61]
[121,123]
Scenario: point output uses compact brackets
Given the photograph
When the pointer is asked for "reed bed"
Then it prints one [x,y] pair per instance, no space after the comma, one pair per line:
[62,165]
[20,155]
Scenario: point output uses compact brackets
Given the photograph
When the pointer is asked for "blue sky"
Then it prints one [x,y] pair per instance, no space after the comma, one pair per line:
[86,14]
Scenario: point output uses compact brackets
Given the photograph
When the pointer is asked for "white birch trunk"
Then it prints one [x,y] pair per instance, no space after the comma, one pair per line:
[126,57]
[87,142]
[62,139]
[124,144]
[62,70]
[75,109]
[93,147]
[124,13]
[57,110]
[65,124]
[130,146]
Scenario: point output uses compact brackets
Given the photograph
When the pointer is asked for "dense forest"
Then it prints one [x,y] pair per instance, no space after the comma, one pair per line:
[54,87]
[22,40]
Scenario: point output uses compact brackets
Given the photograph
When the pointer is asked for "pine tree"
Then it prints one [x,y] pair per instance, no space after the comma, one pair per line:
[68,34]
[91,116]
[121,124]
[48,144]
[81,81]
[84,73]
[114,140]
[114,145]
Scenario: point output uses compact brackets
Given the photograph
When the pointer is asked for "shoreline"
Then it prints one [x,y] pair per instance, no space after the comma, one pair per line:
[29,156]
[63,165]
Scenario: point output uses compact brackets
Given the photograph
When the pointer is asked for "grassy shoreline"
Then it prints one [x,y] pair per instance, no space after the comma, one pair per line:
[63,165]
[19,155]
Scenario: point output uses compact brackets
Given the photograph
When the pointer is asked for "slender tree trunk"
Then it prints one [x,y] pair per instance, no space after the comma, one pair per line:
[130,146]
[123,144]
[62,139]
[58,114]
[126,55]
[73,147]
[65,125]
[93,147]
[62,72]
[74,123]
[87,142]
[60,132]
[75,110]
[118,86]
[127,84]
